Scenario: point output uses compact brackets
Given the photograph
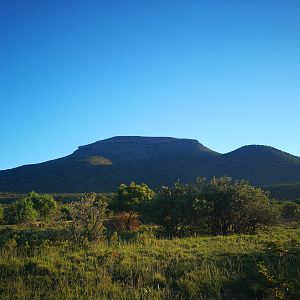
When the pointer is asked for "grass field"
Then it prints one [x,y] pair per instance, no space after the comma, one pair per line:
[36,264]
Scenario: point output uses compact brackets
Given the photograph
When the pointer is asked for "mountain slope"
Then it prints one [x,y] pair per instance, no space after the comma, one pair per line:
[261,165]
[103,165]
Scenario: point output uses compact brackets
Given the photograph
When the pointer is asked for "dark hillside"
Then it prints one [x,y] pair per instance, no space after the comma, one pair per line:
[103,165]
[261,165]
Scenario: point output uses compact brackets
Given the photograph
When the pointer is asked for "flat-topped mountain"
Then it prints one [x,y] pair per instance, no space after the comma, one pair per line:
[103,165]
[135,148]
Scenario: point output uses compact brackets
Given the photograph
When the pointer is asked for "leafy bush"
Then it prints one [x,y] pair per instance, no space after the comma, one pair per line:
[25,211]
[179,209]
[88,216]
[66,213]
[10,214]
[238,207]
[33,206]
[130,199]
[44,204]
[223,205]
[291,210]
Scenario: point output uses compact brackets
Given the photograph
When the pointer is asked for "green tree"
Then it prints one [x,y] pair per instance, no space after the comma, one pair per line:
[238,207]
[24,211]
[291,210]
[131,198]
[44,204]
[180,209]
[222,205]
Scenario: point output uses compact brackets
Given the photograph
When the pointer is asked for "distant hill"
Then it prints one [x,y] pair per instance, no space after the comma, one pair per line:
[103,165]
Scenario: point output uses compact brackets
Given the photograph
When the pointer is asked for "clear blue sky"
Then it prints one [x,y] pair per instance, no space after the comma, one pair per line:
[73,72]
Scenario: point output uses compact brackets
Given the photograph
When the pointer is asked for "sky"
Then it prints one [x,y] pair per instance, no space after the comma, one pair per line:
[73,72]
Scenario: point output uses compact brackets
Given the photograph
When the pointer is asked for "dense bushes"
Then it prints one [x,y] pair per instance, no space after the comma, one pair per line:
[32,207]
[45,205]
[25,211]
[222,205]
[178,209]
[237,207]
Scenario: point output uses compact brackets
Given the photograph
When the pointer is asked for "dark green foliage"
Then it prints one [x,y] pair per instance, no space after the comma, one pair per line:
[25,211]
[180,209]
[88,216]
[291,210]
[238,207]
[10,214]
[29,208]
[44,204]
[131,198]
[66,213]
[223,205]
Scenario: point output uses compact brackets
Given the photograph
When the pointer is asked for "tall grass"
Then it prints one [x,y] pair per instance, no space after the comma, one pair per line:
[233,267]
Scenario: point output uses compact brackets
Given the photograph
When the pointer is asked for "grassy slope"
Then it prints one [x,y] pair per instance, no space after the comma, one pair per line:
[147,268]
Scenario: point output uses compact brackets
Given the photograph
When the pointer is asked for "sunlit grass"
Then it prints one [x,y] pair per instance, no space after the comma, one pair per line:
[148,268]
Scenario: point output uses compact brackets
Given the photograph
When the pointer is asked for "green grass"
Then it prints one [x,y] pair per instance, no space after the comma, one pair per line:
[233,267]
[99,161]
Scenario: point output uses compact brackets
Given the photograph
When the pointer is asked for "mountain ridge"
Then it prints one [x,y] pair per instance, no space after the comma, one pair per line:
[104,164]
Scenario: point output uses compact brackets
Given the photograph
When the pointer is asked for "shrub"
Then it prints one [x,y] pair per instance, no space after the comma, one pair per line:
[222,205]
[88,216]
[130,199]
[29,208]
[238,207]
[10,214]
[44,204]
[291,210]
[25,211]
[180,209]
[66,213]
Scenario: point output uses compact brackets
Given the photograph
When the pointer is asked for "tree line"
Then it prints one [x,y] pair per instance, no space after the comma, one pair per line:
[220,206]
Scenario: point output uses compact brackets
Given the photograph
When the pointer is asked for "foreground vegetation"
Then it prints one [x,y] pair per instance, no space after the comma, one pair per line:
[218,239]
[261,266]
